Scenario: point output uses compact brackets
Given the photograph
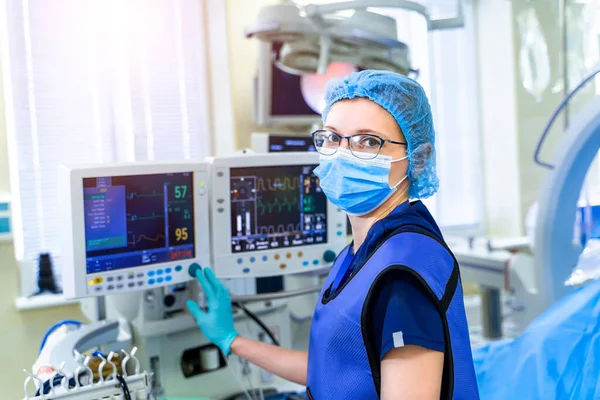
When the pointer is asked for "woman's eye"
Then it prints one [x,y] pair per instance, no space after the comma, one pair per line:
[369,142]
[333,138]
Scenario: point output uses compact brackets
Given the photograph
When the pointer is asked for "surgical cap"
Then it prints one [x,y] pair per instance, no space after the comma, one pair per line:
[407,102]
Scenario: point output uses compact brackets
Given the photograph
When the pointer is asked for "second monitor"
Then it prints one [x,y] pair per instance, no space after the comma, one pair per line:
[270,216]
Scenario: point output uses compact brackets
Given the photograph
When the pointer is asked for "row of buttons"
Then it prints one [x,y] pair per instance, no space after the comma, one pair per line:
[284,266]
[160,280]
[340,226]
[98,288]
[265,258]
[160,271]
[120,278]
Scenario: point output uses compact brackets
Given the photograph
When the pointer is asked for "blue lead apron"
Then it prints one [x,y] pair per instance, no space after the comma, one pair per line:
[343,362]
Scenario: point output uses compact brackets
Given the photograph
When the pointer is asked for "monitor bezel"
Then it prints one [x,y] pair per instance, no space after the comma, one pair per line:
[223,256]
[72,206]
[262,91]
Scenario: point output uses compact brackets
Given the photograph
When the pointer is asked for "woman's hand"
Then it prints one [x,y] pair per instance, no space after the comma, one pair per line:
[217,322]
[217,325]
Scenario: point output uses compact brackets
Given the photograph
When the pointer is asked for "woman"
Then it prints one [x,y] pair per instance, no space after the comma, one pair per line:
[390,322]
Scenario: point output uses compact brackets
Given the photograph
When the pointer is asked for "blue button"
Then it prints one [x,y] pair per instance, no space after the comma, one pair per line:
[168,271]
[159,280]
[265,258]
[193,269]
[178,268]
[252,259]
[168,278]
[240,261]
[339,233]
[159,272]
[150,273]
[305,263]
[316,262]
[150,281]
[246,270]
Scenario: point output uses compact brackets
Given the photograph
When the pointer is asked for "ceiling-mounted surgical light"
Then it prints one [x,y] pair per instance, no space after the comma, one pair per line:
[314,36]
[362,38]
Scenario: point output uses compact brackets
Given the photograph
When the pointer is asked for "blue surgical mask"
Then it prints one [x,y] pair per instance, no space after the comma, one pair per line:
[355,185]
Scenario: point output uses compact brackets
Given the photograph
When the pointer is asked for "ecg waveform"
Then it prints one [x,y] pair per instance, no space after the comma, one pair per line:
[134,195]
[270,229]
[276,207]
[147,238]
[283,184]
[277,204]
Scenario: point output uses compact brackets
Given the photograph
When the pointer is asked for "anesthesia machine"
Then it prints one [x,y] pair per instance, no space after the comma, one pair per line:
[131,233]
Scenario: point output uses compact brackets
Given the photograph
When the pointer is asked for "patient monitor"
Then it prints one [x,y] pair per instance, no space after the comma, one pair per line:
[132,226]
[270,216]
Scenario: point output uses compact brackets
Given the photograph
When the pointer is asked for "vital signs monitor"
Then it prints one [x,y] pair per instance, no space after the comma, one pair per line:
[270,216]
[132,226]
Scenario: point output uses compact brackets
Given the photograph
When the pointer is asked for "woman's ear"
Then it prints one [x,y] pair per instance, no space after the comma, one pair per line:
[419,159]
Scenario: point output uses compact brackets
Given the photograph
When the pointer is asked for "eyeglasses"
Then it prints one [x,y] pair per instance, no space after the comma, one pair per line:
[365,146]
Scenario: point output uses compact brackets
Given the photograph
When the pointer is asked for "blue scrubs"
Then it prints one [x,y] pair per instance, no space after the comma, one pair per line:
[400,305]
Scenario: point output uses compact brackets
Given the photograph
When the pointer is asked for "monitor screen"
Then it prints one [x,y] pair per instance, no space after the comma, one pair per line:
[138,220]
[286,94]
[276,207]
[278,144]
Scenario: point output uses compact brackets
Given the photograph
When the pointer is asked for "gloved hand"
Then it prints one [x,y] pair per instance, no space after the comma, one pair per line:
[217,322]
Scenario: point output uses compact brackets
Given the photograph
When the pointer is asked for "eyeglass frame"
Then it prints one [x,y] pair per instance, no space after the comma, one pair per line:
[383,141]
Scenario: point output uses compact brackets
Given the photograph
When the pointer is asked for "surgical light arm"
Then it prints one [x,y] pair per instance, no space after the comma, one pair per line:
[314,11]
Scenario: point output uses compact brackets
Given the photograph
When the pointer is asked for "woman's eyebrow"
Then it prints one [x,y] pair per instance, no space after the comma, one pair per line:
[371,131]
[358,131]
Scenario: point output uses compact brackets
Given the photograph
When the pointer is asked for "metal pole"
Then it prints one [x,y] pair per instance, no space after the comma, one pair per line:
[491,313]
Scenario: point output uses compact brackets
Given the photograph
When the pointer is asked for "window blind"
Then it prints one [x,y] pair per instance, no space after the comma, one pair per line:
[96,82]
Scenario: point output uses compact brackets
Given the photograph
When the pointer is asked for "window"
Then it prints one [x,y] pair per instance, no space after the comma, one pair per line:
[447,71]
[96,81]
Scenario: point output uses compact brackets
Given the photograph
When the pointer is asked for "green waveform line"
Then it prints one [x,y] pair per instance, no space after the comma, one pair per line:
[278,204]
[133,195]
[153,216]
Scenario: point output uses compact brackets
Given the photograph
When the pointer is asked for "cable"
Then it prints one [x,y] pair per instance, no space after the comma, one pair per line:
[251,391]
[56,326]
[276,295]
[46,388]
[248,397]
[98,353]
[563,104]
[255,318]
[124,387]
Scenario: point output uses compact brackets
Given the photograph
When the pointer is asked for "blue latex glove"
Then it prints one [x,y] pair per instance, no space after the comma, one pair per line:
[217,322]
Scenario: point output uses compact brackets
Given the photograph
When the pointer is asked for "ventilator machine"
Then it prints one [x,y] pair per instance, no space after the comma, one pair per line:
[131,233]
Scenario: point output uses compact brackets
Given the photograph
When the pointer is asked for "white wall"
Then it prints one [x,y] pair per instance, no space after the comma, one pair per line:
[4,180]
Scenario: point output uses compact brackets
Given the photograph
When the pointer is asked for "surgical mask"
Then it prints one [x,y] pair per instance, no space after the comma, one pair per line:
[355,185]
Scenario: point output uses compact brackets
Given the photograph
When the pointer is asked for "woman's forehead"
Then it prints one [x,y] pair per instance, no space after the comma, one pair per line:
[359,115]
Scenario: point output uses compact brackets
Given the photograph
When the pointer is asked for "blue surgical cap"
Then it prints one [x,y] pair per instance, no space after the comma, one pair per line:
[407,102]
